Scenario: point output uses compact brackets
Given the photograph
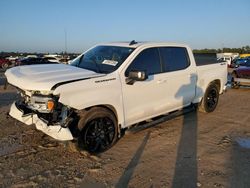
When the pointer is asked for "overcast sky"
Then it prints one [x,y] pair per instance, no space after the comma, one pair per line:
[40,25]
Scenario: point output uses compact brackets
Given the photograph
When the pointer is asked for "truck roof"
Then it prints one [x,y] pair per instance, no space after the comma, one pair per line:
[134,44]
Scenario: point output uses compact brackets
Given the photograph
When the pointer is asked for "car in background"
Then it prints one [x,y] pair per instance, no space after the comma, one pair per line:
[225,59]
[12,59]
[239,62]
[33,61]
[4,63]
[241,76]
[52,59]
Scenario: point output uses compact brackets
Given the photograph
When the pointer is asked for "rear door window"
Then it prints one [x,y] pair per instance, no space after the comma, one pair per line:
[174,58]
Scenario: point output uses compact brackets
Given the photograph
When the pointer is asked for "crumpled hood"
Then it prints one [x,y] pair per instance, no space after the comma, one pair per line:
[44,77]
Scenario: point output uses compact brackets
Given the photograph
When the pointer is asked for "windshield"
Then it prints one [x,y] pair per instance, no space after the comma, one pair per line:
[103,59]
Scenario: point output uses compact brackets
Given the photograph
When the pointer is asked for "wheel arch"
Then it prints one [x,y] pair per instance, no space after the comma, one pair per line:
[106,106]
[217,82]
[203,104]
[110,108]
[200,90]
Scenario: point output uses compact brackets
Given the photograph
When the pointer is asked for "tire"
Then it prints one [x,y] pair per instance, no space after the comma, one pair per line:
[234,85]
[98,130]
[210,99]
[5,66]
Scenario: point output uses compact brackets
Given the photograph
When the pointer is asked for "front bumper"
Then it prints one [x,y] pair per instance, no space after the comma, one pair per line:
[55,131]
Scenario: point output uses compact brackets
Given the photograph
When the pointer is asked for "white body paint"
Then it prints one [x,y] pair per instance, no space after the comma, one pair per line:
[159,94]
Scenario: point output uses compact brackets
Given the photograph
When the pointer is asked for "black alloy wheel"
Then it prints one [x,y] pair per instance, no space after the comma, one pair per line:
[99,134]
[99,130]
[212,99]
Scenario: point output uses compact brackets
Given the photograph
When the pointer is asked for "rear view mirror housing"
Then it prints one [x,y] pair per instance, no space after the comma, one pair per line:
[134,76]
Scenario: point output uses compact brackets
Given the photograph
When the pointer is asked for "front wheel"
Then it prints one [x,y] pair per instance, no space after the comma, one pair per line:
[210,99]
[98,130]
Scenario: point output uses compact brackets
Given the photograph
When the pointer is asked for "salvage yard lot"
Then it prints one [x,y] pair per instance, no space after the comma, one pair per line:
[196,149]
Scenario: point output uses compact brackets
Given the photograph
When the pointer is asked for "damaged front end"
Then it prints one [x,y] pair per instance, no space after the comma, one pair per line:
[43,110]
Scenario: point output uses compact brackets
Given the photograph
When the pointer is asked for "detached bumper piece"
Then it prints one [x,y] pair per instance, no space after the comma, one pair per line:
[55,131]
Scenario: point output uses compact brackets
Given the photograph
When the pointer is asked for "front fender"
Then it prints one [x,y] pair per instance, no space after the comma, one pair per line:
[93,92]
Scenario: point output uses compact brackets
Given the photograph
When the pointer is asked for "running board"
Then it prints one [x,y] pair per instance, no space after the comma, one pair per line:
[160,119]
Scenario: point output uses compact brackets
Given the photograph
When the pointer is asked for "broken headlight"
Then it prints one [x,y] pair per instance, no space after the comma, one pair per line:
[41,103]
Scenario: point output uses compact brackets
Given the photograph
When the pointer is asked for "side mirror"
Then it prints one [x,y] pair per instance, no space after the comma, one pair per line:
[134,76]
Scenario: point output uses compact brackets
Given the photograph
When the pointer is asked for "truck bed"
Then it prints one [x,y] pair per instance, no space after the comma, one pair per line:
[205,58]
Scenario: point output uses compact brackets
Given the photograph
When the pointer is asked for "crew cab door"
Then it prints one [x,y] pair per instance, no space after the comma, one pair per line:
[179,75]
[170,85]
[144,99]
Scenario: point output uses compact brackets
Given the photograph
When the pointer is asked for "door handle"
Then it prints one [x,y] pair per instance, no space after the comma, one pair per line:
[161,81]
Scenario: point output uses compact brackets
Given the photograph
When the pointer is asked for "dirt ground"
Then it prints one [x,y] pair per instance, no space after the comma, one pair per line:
[193,150]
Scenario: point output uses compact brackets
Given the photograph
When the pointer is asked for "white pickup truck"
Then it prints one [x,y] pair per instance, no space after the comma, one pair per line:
[111,87]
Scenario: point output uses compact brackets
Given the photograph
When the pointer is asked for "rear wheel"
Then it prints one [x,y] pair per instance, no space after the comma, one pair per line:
[98,130]
[210,99]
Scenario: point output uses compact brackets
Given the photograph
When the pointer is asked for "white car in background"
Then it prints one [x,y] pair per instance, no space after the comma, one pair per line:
[226,59]
[52,59]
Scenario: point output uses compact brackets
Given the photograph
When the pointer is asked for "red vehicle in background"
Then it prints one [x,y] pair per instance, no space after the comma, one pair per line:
[241,76]
[4,63]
